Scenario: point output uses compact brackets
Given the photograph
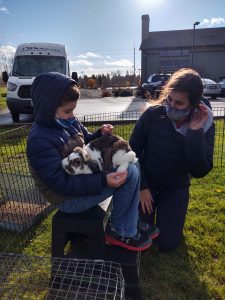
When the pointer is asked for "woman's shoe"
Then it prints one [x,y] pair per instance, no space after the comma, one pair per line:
[151,230]
[139,242]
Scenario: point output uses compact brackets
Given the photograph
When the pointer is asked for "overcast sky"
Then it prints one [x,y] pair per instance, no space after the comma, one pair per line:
[100,35]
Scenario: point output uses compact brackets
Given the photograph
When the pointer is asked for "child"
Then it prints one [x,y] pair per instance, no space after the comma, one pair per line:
[54,134]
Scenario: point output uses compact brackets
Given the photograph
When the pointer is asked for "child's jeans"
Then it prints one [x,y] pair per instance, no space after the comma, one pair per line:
[125,203]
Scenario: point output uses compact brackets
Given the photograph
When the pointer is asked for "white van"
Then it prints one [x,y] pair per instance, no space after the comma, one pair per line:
[31,60]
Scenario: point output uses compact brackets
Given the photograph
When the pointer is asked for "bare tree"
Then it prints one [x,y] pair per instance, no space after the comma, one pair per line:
[6,58]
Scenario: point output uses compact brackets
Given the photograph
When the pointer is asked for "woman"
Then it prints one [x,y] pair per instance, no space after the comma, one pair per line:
[173,141]
[53,136]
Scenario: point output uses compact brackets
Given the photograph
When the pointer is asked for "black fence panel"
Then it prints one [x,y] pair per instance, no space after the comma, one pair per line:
[22,207]
[219,146]
[21,204]
[124,122]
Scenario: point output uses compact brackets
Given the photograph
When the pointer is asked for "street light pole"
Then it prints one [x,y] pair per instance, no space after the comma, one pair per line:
[193,42]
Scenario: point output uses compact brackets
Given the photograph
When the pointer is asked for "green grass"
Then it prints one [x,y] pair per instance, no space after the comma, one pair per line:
[5,128]
[13,150]
[196,270]
[2,98]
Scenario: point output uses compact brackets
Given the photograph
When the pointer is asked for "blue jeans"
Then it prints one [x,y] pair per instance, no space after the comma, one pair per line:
[125,199]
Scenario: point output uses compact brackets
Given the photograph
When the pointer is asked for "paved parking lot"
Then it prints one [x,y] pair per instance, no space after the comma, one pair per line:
[91,106]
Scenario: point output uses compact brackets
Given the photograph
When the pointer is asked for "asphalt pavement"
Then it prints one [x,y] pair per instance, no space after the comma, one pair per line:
[94,106]
[87,106]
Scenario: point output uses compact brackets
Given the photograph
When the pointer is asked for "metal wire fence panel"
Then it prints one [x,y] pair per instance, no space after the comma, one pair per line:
[21,204]
[29,277]
[114,117]
[124,123]
[219,147]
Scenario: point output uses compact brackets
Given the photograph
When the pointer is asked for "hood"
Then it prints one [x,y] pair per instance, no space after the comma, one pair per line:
[46,93]
[21,80]
[183,129]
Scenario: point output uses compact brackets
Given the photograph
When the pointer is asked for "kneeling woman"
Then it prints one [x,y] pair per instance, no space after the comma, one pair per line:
[173,141]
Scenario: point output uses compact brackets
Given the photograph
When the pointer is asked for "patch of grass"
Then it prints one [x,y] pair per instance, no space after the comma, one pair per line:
[4,129]
[35,240]
[121,130]
[196,270]
[3,98]
[13,150]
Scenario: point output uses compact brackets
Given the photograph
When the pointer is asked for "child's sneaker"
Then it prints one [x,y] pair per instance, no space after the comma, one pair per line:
[151,230]
[139,242]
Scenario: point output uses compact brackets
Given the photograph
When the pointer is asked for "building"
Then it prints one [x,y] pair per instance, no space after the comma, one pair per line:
[168,51]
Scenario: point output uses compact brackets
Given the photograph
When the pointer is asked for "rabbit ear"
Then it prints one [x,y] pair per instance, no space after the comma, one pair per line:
[93,165]
[82,153]
[69,169]
[76,162]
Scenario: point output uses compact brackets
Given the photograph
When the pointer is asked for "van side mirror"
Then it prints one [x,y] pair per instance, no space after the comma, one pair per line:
[75,76]
[5,76]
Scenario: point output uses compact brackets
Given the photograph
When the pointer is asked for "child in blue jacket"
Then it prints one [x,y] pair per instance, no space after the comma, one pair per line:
[53,136]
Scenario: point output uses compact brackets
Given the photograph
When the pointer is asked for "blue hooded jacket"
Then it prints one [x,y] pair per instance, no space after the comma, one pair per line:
[48,143]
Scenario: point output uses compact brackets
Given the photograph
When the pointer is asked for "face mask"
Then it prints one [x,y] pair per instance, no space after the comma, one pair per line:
[64,122]
[177,114]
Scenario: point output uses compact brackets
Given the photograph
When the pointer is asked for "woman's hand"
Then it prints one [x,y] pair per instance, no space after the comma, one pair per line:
[199,118]
[106,129]
[146,201]
[116,179]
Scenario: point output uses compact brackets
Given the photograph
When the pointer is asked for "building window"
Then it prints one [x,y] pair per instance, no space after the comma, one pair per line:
[174,52]
[162,53]
[171,66]
[185,52]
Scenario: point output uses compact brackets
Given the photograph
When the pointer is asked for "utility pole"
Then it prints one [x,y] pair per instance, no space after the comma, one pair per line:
[193,43]
[134,67]
[139,72]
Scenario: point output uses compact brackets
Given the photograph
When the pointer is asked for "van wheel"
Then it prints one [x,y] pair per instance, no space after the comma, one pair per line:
[15,117]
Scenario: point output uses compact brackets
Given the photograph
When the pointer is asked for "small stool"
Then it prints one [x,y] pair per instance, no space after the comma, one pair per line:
[130,264]
[90,223]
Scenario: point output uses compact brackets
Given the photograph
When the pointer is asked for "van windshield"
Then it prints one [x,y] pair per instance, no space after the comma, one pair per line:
[36,65]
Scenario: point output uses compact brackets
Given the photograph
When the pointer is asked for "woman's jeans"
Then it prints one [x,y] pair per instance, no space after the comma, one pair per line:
[125,199]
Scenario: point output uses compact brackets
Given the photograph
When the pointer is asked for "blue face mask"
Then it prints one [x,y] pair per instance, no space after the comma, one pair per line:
[177,114]
[65,122]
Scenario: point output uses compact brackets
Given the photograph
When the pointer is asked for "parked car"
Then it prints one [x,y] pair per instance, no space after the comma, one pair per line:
[154,83]
[211,88]
[222,84]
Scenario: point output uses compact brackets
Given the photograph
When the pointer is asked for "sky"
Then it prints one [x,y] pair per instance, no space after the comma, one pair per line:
[100,35]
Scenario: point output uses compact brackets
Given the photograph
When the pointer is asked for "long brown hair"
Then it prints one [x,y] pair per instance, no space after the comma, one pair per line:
[184,80]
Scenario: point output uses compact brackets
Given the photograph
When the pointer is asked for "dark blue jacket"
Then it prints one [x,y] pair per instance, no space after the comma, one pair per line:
[167,158]
[48,143]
